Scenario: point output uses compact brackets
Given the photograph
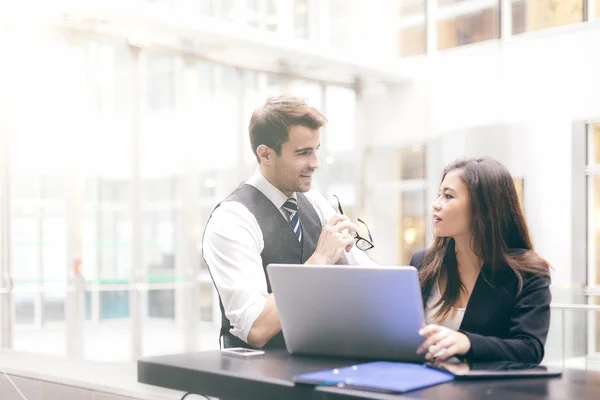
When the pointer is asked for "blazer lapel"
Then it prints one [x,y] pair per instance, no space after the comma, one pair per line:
[479,308]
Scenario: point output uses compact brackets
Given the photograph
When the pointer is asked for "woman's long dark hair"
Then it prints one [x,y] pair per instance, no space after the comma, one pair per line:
[500,235]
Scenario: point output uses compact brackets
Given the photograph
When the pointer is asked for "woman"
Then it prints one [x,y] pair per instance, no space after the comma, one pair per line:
[486,291]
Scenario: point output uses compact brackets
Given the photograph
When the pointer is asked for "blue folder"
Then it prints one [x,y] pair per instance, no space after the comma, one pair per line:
[380,376]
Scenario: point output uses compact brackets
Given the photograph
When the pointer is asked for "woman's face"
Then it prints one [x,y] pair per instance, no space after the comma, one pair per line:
[452,208]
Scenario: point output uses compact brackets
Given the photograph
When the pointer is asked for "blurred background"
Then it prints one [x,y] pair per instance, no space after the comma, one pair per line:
[123,123]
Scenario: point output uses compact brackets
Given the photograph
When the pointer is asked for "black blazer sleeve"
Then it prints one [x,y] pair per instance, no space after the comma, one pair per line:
[417,259]
[527,330]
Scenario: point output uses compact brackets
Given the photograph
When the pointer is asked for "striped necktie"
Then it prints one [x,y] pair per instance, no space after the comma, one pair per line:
[292,207]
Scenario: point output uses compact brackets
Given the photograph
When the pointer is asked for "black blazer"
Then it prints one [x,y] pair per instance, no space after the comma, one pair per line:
[501,325]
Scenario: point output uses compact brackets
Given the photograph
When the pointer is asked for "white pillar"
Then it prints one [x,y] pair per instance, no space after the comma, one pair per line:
[375,29]
[189,262]
[592,14]
[6,315]
[431,26]
[322,22]
[242,128]
[137,296]
[505,19]
[72,102]
[285,14]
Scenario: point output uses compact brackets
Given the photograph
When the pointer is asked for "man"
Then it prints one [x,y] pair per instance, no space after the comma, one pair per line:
[273,218]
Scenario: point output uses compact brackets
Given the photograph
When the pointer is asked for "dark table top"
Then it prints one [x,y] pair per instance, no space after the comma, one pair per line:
[270,377]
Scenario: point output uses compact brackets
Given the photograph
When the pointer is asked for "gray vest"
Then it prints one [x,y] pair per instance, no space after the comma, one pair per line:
[281,245]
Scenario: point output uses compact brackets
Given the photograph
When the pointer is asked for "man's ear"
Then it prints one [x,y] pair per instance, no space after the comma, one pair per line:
[265,154]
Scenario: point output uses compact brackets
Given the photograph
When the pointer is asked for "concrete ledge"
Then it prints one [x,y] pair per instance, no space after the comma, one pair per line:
[46,377]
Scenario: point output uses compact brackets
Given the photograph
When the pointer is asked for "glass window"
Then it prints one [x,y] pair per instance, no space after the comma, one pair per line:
[226,9]
[274,84]
[121,79]
[43,132]
[160,83]
[596,344]
[533,15]
[253,98]
[519,187]
[262,14]
[301,28]
[108,76]
[393,164]
[167,173]
[272,19]
[593,227]
[205,7]
[106,225]
[158,2]
[220,127]
[412,224]
[517,10]
[594,155]
[411,163]
[397,192]
[230,81]
[254,13]
[311,91]
[162,169]
[340,109]
[595,212]
[206,79]
[345,190]
[594,202]
[462,22]
[341,25]
[26,251]
[258,86]
[412,31]
[82,145]
[106,229]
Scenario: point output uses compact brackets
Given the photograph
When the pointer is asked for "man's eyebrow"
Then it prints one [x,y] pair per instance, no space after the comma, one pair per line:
[302,150]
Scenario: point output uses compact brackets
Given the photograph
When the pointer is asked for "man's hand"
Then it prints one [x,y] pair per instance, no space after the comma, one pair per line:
[333,241]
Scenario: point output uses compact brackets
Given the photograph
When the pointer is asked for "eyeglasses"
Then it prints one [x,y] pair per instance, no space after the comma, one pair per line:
[362,243]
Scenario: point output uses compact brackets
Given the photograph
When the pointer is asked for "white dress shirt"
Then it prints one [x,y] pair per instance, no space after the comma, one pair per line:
[232,246]
[453,321]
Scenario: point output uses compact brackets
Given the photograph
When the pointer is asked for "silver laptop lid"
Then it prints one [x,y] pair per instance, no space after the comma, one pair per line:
[355,311]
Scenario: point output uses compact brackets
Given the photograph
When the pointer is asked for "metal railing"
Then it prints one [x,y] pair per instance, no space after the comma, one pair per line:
[580,337]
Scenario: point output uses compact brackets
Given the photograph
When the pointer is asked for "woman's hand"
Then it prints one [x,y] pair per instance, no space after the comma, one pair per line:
[442,343]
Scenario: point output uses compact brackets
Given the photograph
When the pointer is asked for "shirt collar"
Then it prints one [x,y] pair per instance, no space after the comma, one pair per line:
[265,187]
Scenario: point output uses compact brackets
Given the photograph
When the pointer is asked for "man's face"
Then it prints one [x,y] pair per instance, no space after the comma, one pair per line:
[293,168]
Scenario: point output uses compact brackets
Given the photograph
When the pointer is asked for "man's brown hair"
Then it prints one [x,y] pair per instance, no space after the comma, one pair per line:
[270,123]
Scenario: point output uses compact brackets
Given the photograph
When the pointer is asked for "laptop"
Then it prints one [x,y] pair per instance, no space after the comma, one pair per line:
[372,312]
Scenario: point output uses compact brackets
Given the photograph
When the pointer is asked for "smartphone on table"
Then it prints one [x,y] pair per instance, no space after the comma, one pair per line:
[242,352]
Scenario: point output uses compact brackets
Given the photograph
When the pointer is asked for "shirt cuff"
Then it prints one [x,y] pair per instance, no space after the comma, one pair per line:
[247,319]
